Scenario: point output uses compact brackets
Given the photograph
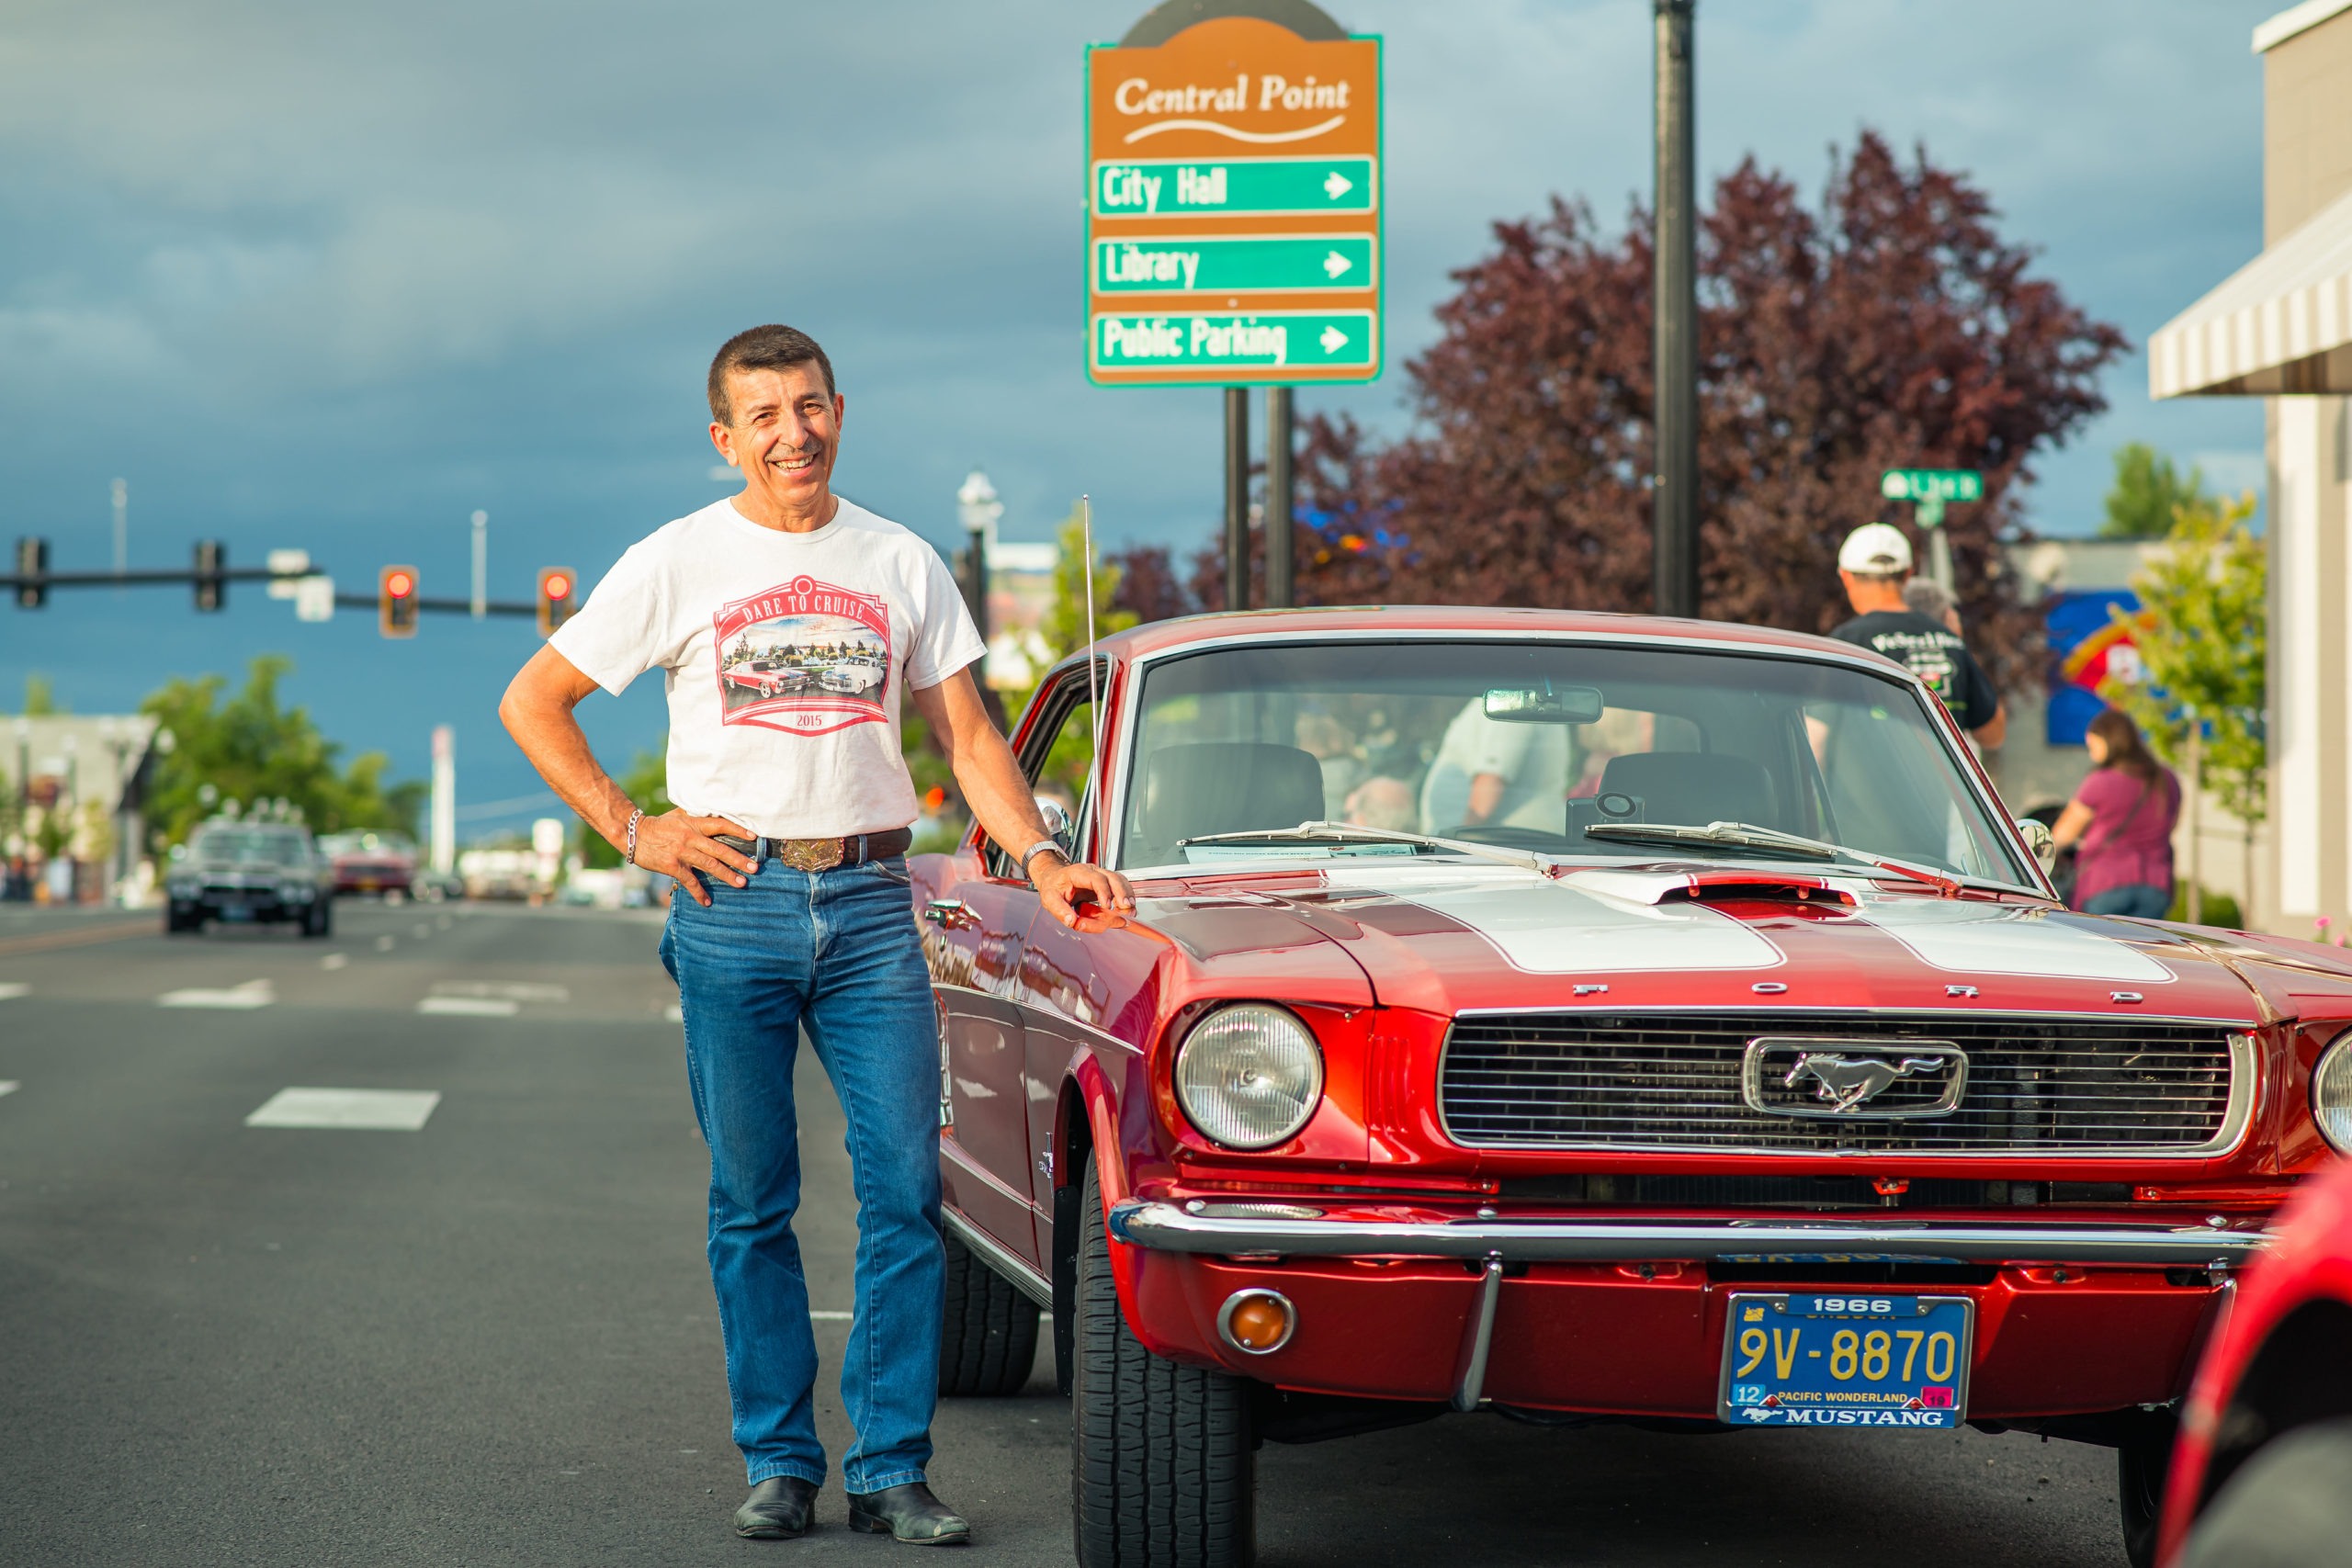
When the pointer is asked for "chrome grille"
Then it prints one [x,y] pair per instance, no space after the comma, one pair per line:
[1637,1080]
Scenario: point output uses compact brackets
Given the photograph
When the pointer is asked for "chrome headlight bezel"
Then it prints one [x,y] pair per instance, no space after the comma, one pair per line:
[2331,1093]
[1248,1076]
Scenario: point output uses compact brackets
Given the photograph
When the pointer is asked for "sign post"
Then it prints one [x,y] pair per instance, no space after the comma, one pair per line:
[1928,489]
[1233,218]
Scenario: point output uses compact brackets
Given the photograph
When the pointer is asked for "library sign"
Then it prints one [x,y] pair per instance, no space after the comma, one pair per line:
[1233,209]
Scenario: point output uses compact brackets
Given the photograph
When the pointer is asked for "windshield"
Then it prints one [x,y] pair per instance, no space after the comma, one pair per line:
[251,846]
[1398,736]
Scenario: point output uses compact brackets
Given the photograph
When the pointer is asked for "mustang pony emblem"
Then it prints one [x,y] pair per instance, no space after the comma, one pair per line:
[1847,1081]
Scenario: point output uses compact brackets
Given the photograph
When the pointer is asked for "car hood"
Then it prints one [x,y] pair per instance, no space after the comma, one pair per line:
[1446,938]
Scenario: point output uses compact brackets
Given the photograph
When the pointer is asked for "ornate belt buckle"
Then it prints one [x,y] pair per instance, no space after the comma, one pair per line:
[810,854]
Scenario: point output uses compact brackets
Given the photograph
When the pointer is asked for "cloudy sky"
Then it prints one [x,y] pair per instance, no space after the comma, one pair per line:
[334,277]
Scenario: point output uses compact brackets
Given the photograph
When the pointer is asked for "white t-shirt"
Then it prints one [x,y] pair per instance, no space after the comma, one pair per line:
[1530,759]
[787,657]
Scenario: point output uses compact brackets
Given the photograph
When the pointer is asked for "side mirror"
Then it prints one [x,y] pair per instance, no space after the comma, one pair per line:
[2036,838]
[1058,824]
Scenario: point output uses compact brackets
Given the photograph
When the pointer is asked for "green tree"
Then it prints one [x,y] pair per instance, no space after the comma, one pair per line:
[249,749]
[1063,631]
[2204,638]
[40,696]
[646,782]
[2147,493]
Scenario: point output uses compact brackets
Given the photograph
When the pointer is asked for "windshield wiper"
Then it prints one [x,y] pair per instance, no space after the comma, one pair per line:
[1341,832]
[1741,835]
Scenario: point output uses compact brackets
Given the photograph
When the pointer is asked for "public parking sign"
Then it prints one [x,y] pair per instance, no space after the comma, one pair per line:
[1233,208]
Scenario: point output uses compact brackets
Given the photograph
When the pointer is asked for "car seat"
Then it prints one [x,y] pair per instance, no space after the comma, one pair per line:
[1694,788]
[1224,787]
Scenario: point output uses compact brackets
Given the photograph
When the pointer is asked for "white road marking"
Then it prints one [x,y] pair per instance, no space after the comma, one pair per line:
[512,990]
[674,1013]
[831,1316]
[252,994]
[9,1085]
[13,988]
[334,961]
[471,1006]
[420,929]
[371,1109]
[385,943]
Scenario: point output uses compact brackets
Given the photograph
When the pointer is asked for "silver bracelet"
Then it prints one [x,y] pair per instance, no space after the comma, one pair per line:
[634,819]
[1040,847]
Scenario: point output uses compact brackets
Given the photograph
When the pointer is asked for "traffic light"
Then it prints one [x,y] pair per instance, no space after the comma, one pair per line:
[211,588]
[396,601]
[32,560]
[559,596]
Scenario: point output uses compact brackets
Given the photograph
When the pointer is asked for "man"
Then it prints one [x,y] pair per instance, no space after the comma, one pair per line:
[1511,775]
[790,627]
[1872,564]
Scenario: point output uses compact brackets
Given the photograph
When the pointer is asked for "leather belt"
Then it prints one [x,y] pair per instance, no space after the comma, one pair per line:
[822,854]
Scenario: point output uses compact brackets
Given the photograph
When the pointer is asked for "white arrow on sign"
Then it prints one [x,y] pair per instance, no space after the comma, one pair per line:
[1335,264]
[1333,340]
[1337,184]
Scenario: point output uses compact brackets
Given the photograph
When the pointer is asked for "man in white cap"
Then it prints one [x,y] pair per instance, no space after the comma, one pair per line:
[1872,564]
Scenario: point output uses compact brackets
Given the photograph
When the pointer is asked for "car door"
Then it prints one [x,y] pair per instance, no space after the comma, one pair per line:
[973,935]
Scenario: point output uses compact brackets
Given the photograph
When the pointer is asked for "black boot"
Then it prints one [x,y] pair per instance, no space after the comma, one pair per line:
[907,1512]
[778,1508]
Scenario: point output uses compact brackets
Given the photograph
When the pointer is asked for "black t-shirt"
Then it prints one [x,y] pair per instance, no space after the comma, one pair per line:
[1934,652]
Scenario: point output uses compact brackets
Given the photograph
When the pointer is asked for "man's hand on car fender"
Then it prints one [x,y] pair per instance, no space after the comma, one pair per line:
[1063,884]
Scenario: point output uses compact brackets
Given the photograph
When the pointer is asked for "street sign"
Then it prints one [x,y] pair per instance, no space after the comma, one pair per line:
[314,598]
[1932,484]
[1233,208]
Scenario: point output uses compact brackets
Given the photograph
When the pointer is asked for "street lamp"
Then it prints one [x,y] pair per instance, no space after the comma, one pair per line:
[977,504]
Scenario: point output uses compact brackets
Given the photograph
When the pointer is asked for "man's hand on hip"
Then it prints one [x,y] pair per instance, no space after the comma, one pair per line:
[1063,884]
[679,846]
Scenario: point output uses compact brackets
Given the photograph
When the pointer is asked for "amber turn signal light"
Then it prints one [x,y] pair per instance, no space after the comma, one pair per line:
[1257,1322]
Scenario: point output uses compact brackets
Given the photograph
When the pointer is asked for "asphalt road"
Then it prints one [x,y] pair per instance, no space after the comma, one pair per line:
[492,1340]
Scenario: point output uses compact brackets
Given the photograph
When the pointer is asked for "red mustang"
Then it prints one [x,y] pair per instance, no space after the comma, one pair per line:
[1575,1017]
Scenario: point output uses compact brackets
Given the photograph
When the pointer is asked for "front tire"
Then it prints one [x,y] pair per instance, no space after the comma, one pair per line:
[989,1341]
[2140,1467]
[1162,1473]
[319,918]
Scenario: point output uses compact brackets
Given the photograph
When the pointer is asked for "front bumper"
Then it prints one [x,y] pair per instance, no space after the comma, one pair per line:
[1169,1227]
[1626,1315]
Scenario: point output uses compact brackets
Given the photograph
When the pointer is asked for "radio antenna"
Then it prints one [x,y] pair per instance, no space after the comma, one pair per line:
[1093,693]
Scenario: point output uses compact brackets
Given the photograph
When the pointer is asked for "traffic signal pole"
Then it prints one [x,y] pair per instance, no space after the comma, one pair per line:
[1674,500]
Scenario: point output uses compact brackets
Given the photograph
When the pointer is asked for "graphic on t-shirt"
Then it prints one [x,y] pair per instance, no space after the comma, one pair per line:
[805,657]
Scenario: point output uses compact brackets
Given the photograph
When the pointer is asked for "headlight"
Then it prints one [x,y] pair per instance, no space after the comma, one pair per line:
[1248,1076]
[2331,1093]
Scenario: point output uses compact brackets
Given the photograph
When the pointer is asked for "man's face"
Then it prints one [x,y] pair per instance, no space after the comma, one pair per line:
[786,433]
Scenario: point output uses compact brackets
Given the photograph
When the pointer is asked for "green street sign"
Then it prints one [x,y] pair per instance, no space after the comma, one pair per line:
[1932,484]
[1165,187]
[1273,340]
[1238,264]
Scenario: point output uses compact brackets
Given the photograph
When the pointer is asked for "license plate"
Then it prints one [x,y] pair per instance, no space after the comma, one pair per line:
[1842,1358]
[236,912]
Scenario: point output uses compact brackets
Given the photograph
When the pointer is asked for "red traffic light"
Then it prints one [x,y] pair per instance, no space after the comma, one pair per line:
[396,604]
[556,586]
[399,584]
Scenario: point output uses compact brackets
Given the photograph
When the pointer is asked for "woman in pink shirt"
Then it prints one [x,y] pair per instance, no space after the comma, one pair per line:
[2123,818]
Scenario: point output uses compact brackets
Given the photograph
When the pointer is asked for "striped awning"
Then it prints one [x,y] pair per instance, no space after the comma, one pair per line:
[2280,323]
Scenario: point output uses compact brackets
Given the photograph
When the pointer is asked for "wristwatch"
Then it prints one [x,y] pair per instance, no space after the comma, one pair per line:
[1034,849]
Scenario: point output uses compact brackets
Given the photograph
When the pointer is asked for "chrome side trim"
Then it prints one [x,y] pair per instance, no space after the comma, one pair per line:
[1477,1339]
[1165,1227]
[1003,1264]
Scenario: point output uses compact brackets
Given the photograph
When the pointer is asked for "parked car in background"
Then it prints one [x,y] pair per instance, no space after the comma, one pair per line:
[371,862]
[2263,1471]
[241,873]
[1582,1019]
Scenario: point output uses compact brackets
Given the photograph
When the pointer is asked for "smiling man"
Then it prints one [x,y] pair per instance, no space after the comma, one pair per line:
[790,627]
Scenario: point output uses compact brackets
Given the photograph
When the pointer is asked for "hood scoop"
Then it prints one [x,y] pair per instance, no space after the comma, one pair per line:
[1711,884]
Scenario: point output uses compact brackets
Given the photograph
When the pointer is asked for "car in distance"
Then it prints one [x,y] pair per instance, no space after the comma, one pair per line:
[1504,984]
[2263,1471]
[371,862]
[249,872]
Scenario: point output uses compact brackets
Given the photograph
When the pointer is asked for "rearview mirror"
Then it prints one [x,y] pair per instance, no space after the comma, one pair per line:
[1545,703]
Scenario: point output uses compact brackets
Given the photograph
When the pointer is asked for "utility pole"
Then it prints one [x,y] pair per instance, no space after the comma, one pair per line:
[444,799]
[482,567]
[121,526]
[1277,497]
[1236,498]
[1675,306]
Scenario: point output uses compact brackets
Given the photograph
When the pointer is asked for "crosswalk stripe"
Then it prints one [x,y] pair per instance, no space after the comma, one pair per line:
[352,1109]
[471,1006]
[252,994]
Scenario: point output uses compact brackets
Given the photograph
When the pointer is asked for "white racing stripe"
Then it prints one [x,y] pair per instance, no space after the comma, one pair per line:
[252,994]
[1995,939]
[347,1109]
[1550,928]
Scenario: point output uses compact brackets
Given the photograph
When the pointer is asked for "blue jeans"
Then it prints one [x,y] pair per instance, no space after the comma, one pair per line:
[835,953]
[2142,899]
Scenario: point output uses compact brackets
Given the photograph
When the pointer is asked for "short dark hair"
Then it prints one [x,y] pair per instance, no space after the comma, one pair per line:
[771,347]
